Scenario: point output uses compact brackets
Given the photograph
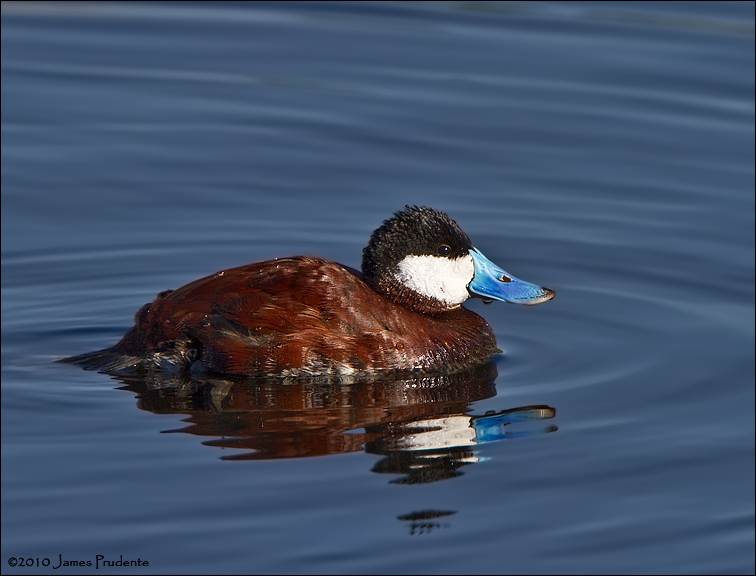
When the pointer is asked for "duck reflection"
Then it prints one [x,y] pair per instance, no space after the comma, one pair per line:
[421,425]
[435,448]
[425,521]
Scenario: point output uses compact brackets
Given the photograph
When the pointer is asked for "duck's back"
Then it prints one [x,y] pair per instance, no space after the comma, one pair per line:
[293,316]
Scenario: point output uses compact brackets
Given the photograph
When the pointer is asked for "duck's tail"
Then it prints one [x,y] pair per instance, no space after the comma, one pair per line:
[104,360]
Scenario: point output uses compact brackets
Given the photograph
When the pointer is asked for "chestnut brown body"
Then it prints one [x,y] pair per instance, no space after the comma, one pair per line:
[291,317]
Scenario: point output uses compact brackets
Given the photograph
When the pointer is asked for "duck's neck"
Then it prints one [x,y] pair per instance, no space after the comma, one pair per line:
[401,294]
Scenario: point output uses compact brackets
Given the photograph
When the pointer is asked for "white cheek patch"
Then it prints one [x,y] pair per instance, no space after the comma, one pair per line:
[444,279]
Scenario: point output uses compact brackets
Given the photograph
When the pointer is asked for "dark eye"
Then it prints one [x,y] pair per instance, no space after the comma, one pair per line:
[444,249]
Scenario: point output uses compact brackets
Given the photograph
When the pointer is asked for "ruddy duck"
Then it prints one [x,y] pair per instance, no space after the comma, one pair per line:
[305,316]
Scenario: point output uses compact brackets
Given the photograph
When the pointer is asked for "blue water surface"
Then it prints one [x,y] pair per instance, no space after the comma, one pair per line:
[605,150]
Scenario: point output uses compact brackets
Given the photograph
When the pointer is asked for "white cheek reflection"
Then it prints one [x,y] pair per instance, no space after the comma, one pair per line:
[444,279]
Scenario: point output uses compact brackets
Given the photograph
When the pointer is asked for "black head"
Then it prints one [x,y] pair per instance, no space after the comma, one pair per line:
[414,231]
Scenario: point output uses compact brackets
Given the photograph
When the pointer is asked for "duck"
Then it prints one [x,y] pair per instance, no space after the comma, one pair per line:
[305,316]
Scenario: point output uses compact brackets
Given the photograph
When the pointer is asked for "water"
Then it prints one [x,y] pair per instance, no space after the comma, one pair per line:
[602,150]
